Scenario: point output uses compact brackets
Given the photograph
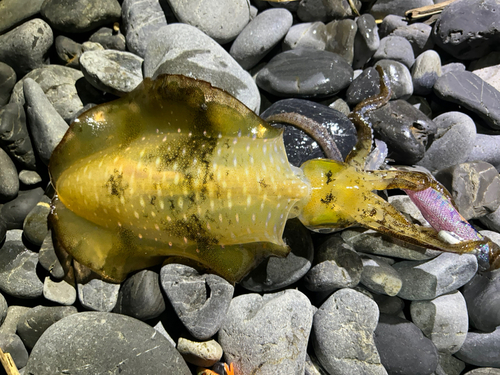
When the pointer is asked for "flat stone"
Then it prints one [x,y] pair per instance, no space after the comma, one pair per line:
[306,35]
[116,72]
[222,20]
[36,321]
[348,319]
[441,275]
[468,90]
[279,322]
[35,227]
[306,73]
[98,295]
[486,148]
[9,180]
[204,354]
[46,125]
[481,349]
[380,277]
[112,342]
[60,292]
[443,320]
[8,79]
[184,49]
[26,47]
[29,178]
[200,301]
[80,16]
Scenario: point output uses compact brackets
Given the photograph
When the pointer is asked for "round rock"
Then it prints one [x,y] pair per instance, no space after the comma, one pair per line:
[425,72]
[9,180]
[15,211]
[380,277]
[419,36]
[200,301]
[7,81]
[68,51]
[204,354]
[279,323]
[109,38]
[306,35]
[395,48]
[340,36]
[115,343]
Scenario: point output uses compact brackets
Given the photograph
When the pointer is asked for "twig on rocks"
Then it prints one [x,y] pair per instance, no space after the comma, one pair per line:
[8,363]
[427,11]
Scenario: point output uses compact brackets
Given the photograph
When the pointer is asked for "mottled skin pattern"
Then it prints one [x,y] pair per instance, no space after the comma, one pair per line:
[178,168]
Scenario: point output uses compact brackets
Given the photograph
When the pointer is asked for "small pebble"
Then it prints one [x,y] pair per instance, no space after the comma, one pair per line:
[366,41]
[306,35]
[340,36]
[481,349]
[395,48]
[204,354]
[425,72]
[29,178]
[35,226]
[98,295]
[59,292]
[380,277]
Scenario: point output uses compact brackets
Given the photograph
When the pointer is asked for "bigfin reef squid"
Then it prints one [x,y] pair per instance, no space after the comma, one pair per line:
[178,168]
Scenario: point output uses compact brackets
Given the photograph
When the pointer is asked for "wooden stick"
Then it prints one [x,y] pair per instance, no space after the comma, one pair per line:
[8,363]
[426,11]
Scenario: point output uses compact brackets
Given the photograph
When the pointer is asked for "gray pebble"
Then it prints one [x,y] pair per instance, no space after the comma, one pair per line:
[443,319]
[390,23]
[400,78]
[8,79]
[200,301]
[267,334]
[340,9]
[367,40]
[347,319]
[306,35]
[380,277]
[486,148]
[419,36]
[48,258]
[441,275]
[481,349]
[340,36]
[109,38]
[15,12]
[260,36]
[80,16]
[467,89]
[337,266]
[68,51]
[395,48]
[116,72]
[60,292]
[403,204]
[140,296]
[3,309]
[222,26]
[366,84]
[204,354]
[141,19]
[26,47]
[98,295]
[35,227]
[183,49]
[29,178]
[9,180]
[489,75]
[312,10]
[15,211]
[18,276]
[12,344]
[449,365]
[14,315]
[475,187]
[113,342]
[425,72]
[453,67]
[38,319]
[383,8]
[452,142]
[46,125]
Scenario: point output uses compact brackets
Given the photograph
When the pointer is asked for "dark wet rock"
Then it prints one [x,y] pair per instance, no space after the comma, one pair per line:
[380,277]
[419,36]
[109,38]
[481,349]
[112,71]
[98,295]
[340,38]
[403,348]
[46,125]
[279,322]
[389,304]
[395,48]
[425,72]
[383,8]
[468,29]
[200,301]
[26,47]
[486,148]
[482,294]
[9,180]
[204,354]
[337,265]
[3,308]
[18,276]
[36,321]
[183,49]
[12,344]
[312,10]
[7,81]
[306,73]
[140,296]
[475,187]
[35,226]
[15,12]
[443,320]
[468,90]
[80,16]
[48,258]
[68,51]
[363,86]
[276,273]
[113,342]
[15,211]
[300,146]
[452,141]
[222,26]
[453,67]
[432,278]
[399,77]
[306,35]
[367,40]
[348,319]
[260,36]
[141,19]
[404,128]
[59,292]
[390,23]
[14,137]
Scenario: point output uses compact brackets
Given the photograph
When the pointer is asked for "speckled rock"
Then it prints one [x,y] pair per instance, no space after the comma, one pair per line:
[12,344]
[204,354]
[14,12]
[9,181]
[363,86]
[98,295]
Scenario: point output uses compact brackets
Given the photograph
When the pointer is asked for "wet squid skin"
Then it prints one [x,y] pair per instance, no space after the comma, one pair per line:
[179,168]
